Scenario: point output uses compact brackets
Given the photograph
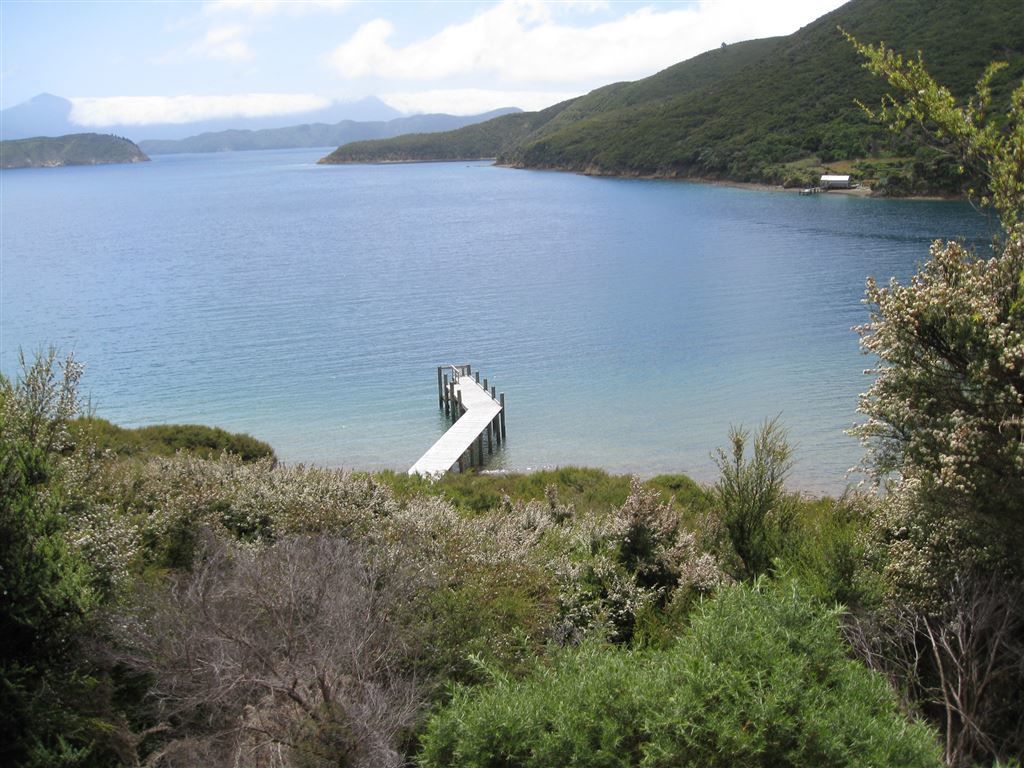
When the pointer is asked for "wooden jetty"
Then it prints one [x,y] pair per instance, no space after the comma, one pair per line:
[477,413]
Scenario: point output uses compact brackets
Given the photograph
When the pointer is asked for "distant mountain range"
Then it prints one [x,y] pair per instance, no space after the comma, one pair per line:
[49,115]
[774,110]
[76,149]
[316,134]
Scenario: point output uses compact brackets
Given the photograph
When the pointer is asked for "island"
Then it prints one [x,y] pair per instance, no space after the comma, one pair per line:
[74,149]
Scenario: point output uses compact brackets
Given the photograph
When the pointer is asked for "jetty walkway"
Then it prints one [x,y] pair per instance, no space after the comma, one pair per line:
[476,413]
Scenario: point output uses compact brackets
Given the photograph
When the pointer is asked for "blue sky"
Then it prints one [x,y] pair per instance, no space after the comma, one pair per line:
[142,62]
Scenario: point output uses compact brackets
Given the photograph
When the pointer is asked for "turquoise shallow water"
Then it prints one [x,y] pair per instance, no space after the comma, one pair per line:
[629,322]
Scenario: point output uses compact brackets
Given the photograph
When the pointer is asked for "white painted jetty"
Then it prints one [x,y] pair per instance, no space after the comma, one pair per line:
[479,410]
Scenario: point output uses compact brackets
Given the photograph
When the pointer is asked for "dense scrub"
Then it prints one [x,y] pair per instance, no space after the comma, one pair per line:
[206,609]
[760,677]
[168,439]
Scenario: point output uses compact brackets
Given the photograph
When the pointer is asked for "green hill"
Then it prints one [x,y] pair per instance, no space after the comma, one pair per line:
[765,110]
[76,149]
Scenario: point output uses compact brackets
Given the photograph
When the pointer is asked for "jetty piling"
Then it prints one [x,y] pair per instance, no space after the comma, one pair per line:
[495,424]
[501,414]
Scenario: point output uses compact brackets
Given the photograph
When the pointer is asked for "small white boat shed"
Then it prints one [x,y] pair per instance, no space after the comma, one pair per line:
[830,181]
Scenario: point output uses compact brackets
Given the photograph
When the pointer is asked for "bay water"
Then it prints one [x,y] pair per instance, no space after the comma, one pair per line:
[629,322]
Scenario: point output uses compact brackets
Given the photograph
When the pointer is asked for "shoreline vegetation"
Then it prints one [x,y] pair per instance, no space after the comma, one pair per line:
[384,616]
[859,191]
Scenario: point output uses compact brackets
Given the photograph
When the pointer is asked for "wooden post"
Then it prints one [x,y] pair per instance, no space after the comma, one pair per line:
[440,386]
[502,415]
[462,409]
[490,437]
[477,375]
[485,385]
[480,448]
[444,395]
[451,399]
[495,422]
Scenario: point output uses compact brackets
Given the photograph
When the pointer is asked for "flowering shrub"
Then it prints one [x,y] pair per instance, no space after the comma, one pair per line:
[948,395]
[946,413]
[613,567]
[480,591]
[39,405]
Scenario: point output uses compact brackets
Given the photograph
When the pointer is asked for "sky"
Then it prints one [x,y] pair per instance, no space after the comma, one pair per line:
[135,62]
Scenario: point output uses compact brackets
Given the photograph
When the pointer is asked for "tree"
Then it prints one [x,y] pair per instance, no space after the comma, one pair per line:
[946,409]
[945,433]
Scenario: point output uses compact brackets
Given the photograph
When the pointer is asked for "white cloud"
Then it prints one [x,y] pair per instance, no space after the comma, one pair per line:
[150,110]
[226,43]
[471,101]
[586,6]
[268,7]
[520,41]
[229,42]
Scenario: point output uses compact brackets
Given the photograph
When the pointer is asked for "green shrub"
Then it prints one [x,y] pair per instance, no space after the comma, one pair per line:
[829,553]
[44,601]
[168,439]
[757,512]
[760,678]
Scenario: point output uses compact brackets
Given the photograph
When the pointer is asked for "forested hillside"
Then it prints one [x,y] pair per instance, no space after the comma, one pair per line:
[481,141]
[767,110]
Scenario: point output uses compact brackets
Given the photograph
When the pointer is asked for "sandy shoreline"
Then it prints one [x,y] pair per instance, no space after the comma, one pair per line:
[854,192]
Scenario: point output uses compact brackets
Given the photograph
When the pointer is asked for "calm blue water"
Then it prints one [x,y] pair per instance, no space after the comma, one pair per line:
[629,322]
